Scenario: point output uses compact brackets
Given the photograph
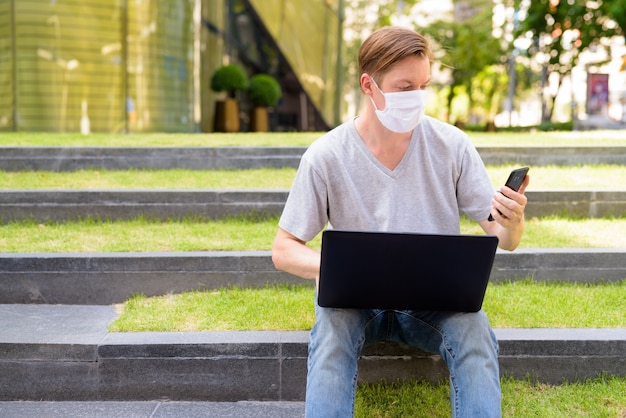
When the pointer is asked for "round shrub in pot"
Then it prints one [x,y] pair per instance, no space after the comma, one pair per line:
[264,91]
[231,79]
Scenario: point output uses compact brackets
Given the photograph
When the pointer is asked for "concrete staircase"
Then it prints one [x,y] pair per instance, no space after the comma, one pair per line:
[61,205]
[54,308]
[64,353]
[211,158]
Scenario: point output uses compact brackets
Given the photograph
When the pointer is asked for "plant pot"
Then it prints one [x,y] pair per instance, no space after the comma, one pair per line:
[227,116]
[259,120]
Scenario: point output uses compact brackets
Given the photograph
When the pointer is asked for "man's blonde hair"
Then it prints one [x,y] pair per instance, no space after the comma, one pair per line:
[387,46]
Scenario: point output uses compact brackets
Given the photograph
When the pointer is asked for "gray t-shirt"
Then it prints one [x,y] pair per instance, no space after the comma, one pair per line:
[341,184]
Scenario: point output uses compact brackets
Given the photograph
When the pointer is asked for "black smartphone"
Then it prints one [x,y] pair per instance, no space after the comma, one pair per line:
[515,180]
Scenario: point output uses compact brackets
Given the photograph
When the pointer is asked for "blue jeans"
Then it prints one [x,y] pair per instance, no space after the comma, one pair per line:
[465,342]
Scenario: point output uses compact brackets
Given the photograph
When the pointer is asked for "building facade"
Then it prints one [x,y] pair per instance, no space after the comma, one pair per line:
[145,65]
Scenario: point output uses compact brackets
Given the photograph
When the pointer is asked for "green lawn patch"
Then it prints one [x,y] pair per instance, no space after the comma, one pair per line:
[529,304]
[288,139]
[230,309]
[548,177]
[565,138]
[601,397]
[525,304]
[251,233]
[141,234]
[263,178]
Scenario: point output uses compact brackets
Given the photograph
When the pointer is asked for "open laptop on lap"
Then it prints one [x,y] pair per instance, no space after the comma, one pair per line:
[427,272]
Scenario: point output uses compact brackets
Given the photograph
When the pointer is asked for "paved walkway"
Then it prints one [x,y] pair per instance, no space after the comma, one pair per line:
[152,409]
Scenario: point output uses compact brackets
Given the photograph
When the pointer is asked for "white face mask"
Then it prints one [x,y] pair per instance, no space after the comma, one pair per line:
[403,110]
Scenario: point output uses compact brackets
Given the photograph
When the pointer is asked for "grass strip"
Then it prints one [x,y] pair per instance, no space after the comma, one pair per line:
[530,304]
[237,233]
[548,177]
[601,397]
[279,307]
[563,138]
[256,232]
[524,304]
[253,139]
[264,178]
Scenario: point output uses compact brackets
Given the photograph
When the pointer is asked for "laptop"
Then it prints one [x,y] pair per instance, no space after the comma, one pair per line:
[425,272]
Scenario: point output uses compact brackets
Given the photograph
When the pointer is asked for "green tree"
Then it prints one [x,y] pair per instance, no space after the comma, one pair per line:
[616,11]
[467,47]
[489,88]
[560,30]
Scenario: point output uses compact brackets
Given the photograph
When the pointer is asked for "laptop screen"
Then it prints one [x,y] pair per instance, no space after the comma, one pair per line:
[429,272]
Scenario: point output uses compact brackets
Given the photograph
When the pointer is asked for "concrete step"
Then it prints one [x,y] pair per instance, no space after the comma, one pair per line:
[158,158]
[65,353]
[106,278]
[151,409]
[63,205]
[211,158]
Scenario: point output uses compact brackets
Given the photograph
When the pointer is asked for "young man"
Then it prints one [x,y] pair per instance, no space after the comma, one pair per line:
[394,169]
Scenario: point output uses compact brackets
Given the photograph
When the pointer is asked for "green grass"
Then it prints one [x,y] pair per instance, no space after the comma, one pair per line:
[601,397]
[229,309]
[529,304]
[289,139]
[565,232]
[547,139]
[582,138]
[141,234]
[549,177]
[263,178]
[524,304]
[246,233]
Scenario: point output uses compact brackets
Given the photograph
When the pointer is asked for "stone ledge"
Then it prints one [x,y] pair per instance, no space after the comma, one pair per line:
[255,365]
[158,158]
[211,158]
[582,265]
[553,155]
[106,278]
[63,205]
[53,332]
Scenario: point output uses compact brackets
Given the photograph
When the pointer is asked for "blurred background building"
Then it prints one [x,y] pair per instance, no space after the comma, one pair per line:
[145,65]
[118,66]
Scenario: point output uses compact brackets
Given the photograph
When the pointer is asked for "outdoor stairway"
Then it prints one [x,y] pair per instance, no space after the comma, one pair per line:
[63,353]
[109,278]
[54,308]
[211,158]
[62,205]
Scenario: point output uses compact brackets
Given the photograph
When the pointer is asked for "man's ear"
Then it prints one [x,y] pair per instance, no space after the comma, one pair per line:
[366,84]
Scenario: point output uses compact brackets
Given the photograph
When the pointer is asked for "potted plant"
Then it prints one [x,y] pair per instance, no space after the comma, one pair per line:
[264,92]
[230,79]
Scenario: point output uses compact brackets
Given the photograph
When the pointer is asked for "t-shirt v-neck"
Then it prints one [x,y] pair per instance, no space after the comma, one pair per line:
[382,167]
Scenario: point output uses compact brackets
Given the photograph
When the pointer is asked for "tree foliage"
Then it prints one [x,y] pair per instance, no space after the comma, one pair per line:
[559,30]
[468,47]
[616,11]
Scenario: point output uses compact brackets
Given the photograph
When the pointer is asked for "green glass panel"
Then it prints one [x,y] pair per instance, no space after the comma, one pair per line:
[6,68]
[160,65]
[306,31]
[72,73]
[69,66]
[214,14]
